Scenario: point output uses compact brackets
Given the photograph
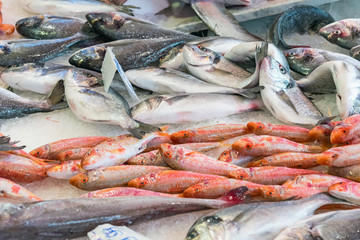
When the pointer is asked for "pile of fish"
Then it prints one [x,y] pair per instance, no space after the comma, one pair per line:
[244,169]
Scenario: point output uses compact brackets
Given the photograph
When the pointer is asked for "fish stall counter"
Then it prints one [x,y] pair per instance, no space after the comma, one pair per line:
[37,129]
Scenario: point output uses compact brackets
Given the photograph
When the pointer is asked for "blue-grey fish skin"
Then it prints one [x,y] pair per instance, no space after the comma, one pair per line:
[300,19]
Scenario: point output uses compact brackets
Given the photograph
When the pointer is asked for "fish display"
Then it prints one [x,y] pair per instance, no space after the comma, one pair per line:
[346,190]
[125,192]
[65,170]
[9,189]
[340,156]
[355,52]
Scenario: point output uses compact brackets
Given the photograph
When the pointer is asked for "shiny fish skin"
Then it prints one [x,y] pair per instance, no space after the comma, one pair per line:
[350,172]
[72,154]
[234,157]
[65,170]
[9,189]
[349,191]
[346,130]
[152,158]
[322,132]
[355,52]
[340,156]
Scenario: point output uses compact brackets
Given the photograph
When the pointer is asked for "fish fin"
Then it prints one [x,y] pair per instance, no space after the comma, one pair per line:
[164,128]
[251,93]
[127,9]
[143,128]
[235,196]
[286,99]
[176,98]
[325,120]
[57,94]
[261,52]
[59,106]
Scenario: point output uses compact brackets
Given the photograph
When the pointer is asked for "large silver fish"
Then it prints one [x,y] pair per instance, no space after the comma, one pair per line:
[191,107]
[88,100]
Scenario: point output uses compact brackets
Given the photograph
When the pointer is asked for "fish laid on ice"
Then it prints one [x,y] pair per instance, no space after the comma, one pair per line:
[191,107]
[349,191]
[65,170]
[340,156]
[355,52]
[300,19]
[9,189]
[72,154]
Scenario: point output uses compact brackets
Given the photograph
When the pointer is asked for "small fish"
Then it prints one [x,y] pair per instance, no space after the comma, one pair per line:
[33,77]
[152,158]
[6,145]
[351,172]
[322,132]
[355,52]
[89,101]
[300,19]
[171,181]
[346,130]
[268,174]
[183,159]
[51,150]
[234,157]
[268,145]
[125,192]
[65,170]
[190,108]
[9,189]
[340,156]
[48,26]
[114,176]
[293,133]
[287,159]
[72,154]
[163,137]
[174,59]
[214,133]
[350,191]
[344,33]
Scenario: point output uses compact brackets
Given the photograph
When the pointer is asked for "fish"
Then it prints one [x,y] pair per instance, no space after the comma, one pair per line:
[344,33]
[348,191]
[322,132]
[268,174]
[72,8]
[125,192]
[300,19]
[164,137]
[355,52]
[48,26]
[260,220]
[9,189]
[234,157]
[55,218]
[89,102]
[6,145]
[131,53]
[265,145]
[340,156]
[215,188]
[116,26]
[114,176]
[183,159]
[288,159]
[168,81]
[33,77]
[190,107]
[51,150]
[306,60]
[65,170]
[211,67]
[170,181]
[213,133]
[13,105]
[218,44]
[346,130]
[72,154]
[174,59]
[330,225]
[350,172]
[152,158]
[293,133]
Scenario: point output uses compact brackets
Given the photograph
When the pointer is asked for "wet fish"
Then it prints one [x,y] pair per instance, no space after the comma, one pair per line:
[6,145]
[218,44]
[48,26]
[344,33]
[131,53]
[164,137]
[300,19]
[257,220]
[65,170]
[351,172]
[125,192]
[355,52]
[174,59]
[322,132]
[89,101]
[33,77]
[346,130]
[114,176]
[190,108]
[9,189]
[234,157]
[340,156]
[72,154]
[346,190]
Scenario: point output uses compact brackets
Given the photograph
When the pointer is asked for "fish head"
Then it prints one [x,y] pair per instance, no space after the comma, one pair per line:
[259,163]
[143,181]
[108,20]
[338,33]
[207,227]
[244,146]
[89,58]
[256,127]
[171,153]
[340,187]
[197,55]
[225,156]
[321,132]
[274,73]
[41,152]
[304,60]
[93,158]
[195,190]
[25,24]
[171,55]
[272,192]
[355,52]
[341,133]
[329,156]
[84,78]
[80,180]
[180,136]
[241,174]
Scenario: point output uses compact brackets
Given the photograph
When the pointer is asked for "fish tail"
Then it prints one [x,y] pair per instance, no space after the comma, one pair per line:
[56,96]
[143,129]
[261,52]
[128,9]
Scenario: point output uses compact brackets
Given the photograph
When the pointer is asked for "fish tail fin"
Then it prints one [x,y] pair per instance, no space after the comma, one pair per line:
[56,96]
[128,9]
[261,52]
[143,129]
[325,120]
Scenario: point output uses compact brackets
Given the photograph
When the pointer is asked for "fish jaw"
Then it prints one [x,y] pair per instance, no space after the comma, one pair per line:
[89,58]
[185,134]
[35,21]
[346,190]
[198,56]
[272,192]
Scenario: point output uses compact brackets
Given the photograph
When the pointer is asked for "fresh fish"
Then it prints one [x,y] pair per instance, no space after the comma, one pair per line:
[65,170]
[71,8]
[131,53]
[163,137]
[171,181]
[265,145]
[355,52]
[113,176]
[300,19]
[48,26]
[349,191]
[293,133]
[190,108]
[6,145]
[257,220]
[351,172]
[89,101]
[55,218]
[214,133]
[305,60]
[125,192]
[340,156]
[183,159]
[174,59]
[72,154]
[9,189]
[268,174]
[322,132]
[327,226]
[35,78]
[116,26]
[168,81]
[234,157]
[344,33]
[218,44]
[346,130]
[12,105]
[115,2]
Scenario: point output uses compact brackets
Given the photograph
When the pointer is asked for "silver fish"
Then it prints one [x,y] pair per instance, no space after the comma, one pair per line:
[255,221]
[191,107]
[88,100]
[35,78]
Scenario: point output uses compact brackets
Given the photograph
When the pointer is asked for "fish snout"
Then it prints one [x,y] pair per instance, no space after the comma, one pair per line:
[79,180]
[325,158]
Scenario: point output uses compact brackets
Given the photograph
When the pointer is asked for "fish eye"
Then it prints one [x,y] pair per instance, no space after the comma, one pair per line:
[347,143]
[270,193]
[84,180]
[38,154]
[196,190]
[325,132]
[282,69]
[168,154]
[142,183]
[337,32]
[335,155]
[202,48]
[248,146]
[344,131]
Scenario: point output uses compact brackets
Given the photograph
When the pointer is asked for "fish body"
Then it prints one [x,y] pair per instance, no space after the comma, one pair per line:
[340,156]
[350,172]
[72,154]
[218,44]
[300,19]
[344,33]
[322,132]
[65,170]
[125,192]
[355,52]
[234,157]
[163,137]
[174,59]
[346,190]
[9,189]
[48,26]
[346,130]
[170,181]
[190,108]
[114,176]
[183,159]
